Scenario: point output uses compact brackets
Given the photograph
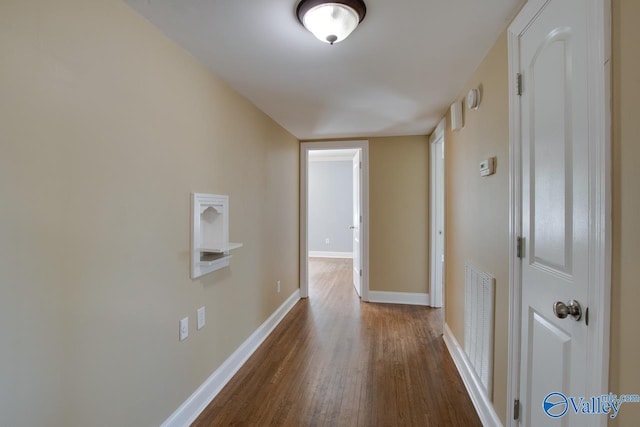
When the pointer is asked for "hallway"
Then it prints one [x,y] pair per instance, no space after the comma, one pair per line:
[334,361]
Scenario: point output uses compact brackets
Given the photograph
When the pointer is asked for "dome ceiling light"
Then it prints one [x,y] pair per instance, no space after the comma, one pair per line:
[331,22]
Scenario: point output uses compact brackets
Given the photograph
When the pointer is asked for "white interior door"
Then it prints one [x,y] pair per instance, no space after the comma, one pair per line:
[437,222]
[556,225]
[356,225]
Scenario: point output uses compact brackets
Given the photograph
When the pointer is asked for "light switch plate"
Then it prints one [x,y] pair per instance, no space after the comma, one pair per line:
[201,318]
[184,328]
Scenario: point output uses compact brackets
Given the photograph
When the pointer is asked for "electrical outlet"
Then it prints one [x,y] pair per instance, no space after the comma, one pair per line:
[327,241]
[278,286]
[201,318]
[184,328]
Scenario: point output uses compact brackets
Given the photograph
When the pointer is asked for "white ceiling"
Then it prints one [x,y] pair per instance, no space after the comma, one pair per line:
[396,74]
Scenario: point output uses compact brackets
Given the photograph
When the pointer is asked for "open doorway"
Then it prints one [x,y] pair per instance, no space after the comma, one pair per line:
[334,210]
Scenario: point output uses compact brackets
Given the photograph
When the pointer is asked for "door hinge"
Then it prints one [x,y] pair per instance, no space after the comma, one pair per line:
[516,409]
[519,84]
[360,272]
[360,219]
[360,165]
[519,247]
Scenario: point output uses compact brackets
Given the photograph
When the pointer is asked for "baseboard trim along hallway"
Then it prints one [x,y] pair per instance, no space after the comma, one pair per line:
[480,400]
[399,298]
[198,401]
[325,254]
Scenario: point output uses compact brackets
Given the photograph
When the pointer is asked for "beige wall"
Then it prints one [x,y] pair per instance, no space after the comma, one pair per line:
[477,208]
[106,127]
[399,214]
[625,317]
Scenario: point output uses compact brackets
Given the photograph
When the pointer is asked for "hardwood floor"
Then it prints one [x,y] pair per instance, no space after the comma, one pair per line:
[334,361]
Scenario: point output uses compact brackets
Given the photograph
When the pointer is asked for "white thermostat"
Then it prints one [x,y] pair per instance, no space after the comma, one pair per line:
[487,166]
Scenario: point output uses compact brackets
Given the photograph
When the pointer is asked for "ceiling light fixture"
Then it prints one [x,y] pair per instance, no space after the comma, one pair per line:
[331,21]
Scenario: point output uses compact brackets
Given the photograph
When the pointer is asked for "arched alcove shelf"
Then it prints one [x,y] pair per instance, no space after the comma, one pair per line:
[210,244]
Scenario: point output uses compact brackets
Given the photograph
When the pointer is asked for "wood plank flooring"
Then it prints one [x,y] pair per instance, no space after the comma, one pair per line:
[334,361]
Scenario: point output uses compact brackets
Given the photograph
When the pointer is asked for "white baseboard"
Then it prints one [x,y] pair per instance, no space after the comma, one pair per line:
[480,400]
[198,401]
[399,298]
[324,254]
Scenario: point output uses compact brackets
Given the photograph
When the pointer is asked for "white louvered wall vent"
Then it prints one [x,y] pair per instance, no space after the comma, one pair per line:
[478,323]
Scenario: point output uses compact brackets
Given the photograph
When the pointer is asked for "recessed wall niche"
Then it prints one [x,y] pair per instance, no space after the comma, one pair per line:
[210,246]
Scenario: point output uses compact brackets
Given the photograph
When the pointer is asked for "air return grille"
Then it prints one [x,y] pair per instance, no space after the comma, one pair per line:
[478,323]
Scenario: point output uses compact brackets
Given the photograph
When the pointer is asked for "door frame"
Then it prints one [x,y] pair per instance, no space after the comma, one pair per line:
[305,147]
[599,292]
[356,220]
[436,290]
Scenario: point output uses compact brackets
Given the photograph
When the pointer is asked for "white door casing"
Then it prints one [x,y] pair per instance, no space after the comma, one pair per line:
[559,206]
[436,288]
[355,227]
[305,148]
